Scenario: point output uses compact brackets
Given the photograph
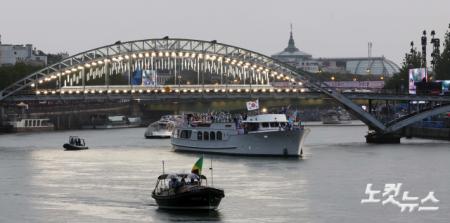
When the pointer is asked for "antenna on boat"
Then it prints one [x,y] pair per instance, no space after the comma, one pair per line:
[212,179]
[163,166]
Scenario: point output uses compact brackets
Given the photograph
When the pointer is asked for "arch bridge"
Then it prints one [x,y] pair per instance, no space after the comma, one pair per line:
[176,66]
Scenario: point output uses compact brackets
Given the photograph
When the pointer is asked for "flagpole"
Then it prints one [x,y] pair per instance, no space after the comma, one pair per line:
[163,166]
[212,179]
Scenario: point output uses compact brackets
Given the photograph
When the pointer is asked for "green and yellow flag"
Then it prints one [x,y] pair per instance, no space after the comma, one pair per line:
[197,168]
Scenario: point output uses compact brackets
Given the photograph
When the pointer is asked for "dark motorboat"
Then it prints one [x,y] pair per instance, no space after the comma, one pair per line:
[186,192]
[75,143]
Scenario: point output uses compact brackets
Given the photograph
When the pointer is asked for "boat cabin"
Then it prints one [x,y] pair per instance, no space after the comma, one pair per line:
[265,122]
[169,184]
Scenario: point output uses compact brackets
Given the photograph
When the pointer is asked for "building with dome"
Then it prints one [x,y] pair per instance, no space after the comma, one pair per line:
[352,65]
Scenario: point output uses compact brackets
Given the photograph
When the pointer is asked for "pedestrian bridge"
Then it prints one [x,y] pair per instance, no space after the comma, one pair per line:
[178,68]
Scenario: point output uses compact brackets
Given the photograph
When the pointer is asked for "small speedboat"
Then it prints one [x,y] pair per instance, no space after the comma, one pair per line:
[186,192]
[75,143]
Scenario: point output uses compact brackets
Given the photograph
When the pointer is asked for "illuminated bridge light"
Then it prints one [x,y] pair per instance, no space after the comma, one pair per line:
[163,90]
[73,69]
[127,57]
[287,90]
[133,91]
[92,91]
[70,92]
[294,90]
[184,90]
[86,91]
[117,91]
[207,90]
[271,90]
[223,90]
[140,90]
[147,54]
[62,92]
[200,91]
[238,90]
[38,92]
[77,92]
[176,90]
[40,81]
[230,90]
[216,90]
[53,92]
[109,91]
[45,92]
[302,90]
[32,85]
[133,55]
[148,90]
[192,90]
[278,90]
[300,83]
[100,91]
[255,90]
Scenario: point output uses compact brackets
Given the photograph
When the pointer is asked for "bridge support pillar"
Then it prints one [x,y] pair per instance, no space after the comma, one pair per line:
[379,138]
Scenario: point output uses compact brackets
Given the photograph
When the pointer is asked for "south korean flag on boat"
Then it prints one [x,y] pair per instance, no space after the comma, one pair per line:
[253,105]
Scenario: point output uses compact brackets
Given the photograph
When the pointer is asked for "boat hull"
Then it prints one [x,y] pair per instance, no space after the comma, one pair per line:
[202,198]
[158,135]
[276,143]
[68,146]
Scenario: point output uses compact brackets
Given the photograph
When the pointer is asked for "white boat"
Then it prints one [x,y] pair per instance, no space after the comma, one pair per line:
[336,117]
[259,135]
[160,129]
[31,125]
[114,122]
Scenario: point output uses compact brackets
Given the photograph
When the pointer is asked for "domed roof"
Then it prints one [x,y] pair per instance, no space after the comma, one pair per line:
[375,65]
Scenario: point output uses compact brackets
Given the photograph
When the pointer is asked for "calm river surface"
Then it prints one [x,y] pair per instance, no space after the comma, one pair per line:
[113,180]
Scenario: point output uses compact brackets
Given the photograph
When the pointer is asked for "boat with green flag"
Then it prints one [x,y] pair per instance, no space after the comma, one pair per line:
[187,191]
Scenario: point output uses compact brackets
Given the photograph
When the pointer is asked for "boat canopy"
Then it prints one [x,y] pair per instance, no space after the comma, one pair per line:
[266,118]
[182,175]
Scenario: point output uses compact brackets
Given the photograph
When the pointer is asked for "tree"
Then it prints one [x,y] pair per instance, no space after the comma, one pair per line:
[442,68]
[11,74]
[399,81]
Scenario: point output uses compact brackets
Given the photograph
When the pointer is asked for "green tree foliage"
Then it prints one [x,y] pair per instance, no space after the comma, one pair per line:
[442,69]
[399,81]
[11,74]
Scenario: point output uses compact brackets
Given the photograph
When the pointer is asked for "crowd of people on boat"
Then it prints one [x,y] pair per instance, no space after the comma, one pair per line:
[191,179]
[76,141]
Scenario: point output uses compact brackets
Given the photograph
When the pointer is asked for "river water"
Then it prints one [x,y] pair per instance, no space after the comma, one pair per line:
[113,180]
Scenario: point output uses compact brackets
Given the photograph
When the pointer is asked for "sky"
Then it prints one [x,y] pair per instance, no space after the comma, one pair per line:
[323,28]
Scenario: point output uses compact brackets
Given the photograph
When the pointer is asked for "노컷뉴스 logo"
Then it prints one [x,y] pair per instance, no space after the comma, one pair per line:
[391,194]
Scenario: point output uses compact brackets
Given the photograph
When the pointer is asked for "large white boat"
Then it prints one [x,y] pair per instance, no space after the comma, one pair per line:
[162,128]
[31,125]
[259,135]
